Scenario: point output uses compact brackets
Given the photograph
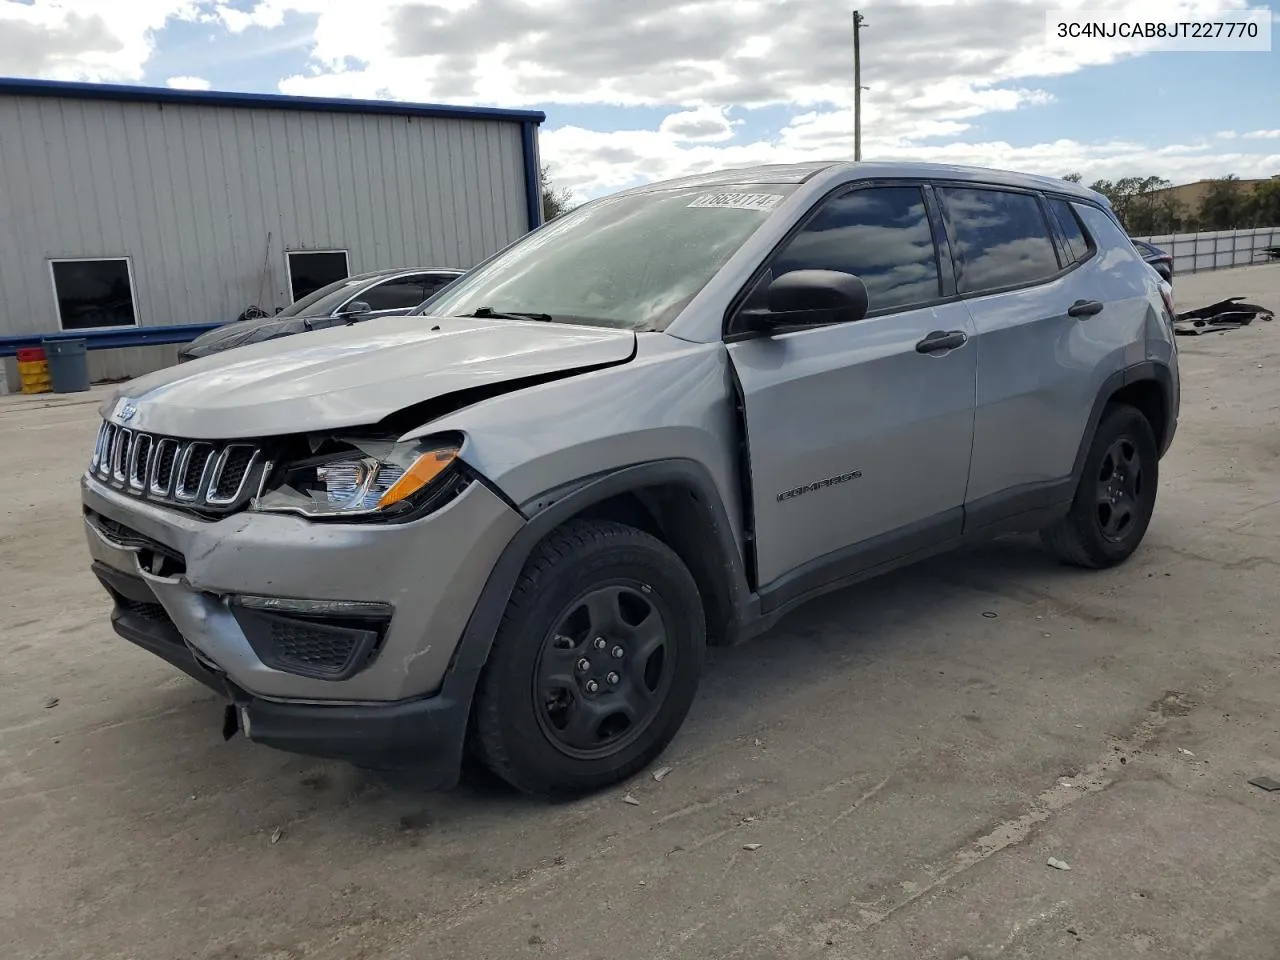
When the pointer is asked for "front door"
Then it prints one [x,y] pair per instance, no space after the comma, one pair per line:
[859,435]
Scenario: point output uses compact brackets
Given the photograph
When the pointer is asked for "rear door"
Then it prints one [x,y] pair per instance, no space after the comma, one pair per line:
[1023,262]
[859,442]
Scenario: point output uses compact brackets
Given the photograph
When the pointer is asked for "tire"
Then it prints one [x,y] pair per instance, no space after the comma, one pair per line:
[1092,535]
[536,724]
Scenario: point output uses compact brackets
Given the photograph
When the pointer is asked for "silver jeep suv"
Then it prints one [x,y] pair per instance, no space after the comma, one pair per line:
[512,524]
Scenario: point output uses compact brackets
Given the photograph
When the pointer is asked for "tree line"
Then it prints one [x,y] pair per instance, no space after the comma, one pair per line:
[1146,207]
[554,202]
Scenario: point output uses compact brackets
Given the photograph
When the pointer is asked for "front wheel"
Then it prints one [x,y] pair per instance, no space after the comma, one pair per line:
[595,664]
[1115,496]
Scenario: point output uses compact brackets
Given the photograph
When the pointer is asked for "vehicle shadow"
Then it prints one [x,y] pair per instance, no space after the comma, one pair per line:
[903,614]
[858,624]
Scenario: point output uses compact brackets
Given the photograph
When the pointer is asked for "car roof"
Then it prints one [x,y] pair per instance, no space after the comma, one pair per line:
[835,170]
[374,274]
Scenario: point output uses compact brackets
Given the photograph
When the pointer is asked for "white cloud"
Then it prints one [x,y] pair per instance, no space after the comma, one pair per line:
[266,14]
[934,68]
[592,162]
[701,124]
[83,39]
[188,83]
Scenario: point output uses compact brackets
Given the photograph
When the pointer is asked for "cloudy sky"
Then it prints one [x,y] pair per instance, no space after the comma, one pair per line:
[641,90]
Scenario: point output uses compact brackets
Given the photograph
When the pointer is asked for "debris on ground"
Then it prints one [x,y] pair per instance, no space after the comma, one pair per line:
[1058,864]
[1185,752]
[990,614]
[1266,783]
[1230,314]
[752,847]
[632,801]
[661,773]
[276,834]
[51,703]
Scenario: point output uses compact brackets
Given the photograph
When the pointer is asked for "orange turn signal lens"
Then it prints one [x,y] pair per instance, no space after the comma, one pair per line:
[421,472]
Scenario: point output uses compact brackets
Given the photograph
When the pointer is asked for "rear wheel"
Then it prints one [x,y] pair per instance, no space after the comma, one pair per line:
[1116,494]
[595,664]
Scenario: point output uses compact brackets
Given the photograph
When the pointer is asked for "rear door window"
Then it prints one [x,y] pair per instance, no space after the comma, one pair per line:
[1001,239]
[1076,241]
[881,234]
[397,294]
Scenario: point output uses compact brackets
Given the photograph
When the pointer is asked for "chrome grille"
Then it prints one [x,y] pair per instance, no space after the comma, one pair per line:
[188,473]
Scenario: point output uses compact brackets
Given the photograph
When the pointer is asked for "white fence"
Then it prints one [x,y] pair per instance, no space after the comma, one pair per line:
[1194,252]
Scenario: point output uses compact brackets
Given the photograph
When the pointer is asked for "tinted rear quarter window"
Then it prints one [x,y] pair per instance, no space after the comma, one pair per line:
[1000,238]
[882,235]
[1113,242]
[1077,242]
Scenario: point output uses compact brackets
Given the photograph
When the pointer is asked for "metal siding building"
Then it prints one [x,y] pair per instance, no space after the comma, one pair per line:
[203,195]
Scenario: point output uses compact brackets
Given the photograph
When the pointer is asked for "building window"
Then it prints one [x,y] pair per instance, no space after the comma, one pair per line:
[309,270]
[93,293]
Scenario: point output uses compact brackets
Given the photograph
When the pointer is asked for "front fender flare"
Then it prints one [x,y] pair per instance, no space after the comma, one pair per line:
[551,509]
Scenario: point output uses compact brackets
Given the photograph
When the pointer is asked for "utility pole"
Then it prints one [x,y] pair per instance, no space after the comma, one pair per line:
[858,23]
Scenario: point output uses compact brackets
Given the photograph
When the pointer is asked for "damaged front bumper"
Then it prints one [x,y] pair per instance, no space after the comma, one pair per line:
[331,640]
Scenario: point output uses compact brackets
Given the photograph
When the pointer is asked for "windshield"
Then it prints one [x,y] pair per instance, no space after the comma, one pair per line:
[321,302]
[630,261]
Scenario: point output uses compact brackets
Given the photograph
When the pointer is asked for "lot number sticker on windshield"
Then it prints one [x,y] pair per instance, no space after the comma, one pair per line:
[738,201]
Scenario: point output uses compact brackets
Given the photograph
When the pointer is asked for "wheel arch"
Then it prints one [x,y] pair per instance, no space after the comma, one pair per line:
[1148,386]
[675,500]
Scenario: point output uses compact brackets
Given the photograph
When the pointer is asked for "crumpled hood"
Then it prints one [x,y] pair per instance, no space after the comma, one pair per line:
[353,375]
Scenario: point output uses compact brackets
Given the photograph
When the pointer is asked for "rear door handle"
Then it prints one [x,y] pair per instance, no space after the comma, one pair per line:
[941,340]
[1084,308]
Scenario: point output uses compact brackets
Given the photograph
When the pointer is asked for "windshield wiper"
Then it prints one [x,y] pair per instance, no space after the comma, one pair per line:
[488,313]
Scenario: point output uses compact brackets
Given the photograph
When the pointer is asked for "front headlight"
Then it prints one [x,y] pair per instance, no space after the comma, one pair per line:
[367,480]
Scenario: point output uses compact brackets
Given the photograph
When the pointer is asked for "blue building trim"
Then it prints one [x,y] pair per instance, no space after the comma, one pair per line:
[532,173]
[260,101]
[111,339]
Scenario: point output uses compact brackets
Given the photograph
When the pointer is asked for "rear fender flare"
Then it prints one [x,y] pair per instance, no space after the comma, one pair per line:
[1138,372]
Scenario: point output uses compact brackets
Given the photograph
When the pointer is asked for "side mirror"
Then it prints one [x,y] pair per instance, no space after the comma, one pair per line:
[356,309]
[809,298]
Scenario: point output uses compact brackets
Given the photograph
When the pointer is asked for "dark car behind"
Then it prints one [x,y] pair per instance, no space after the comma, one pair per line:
[378,293]
[1163,262]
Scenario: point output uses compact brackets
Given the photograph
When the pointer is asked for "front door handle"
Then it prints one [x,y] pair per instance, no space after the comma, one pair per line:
[941,340]
[1085,308]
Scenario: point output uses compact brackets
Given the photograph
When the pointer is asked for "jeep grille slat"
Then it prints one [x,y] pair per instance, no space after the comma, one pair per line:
[197,474]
